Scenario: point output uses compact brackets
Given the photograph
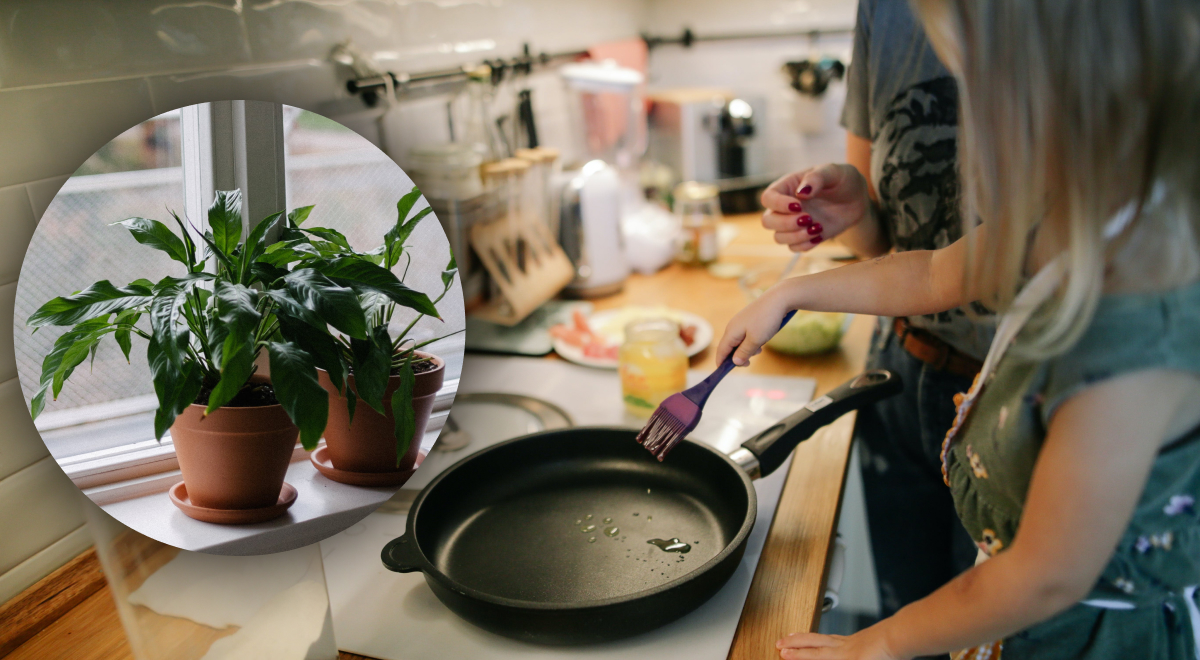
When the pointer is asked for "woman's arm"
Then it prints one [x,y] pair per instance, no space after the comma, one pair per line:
[900,284]
[1089,475]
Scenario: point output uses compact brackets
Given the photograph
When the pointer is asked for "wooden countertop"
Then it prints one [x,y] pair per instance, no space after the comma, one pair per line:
[788,585]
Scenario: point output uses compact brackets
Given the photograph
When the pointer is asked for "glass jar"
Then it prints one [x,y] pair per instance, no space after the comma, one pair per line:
[653,364]
[698,208]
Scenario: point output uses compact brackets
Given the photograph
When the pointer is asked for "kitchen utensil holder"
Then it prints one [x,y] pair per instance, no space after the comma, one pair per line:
[547,269]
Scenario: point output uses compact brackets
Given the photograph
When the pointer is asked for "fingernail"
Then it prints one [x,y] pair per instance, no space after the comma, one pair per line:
[816,239]
[804,220]
[815,228]
[805,190]
[794,207]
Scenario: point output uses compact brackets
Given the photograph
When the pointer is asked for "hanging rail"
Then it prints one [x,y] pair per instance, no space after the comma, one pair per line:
[494,70]
[687,37]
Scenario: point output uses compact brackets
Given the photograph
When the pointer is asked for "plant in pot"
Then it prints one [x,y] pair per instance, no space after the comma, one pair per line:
[376,444]
[234,431]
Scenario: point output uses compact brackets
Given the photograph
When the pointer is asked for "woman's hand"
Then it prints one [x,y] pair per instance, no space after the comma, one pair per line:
[809,206]
[752,327]
[868,644]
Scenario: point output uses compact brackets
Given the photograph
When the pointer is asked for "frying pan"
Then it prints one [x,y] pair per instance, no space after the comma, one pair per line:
[513,538]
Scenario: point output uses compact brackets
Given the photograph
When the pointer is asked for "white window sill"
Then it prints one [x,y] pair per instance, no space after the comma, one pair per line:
[322,508]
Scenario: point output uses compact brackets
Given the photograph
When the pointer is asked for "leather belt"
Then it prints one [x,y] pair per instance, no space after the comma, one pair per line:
[931,350]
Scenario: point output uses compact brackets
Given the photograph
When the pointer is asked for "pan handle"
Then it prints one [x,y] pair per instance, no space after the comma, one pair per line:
[771,447]
[402,555]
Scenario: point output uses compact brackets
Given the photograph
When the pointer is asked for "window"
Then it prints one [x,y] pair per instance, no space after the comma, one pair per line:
[101,426]
[137,173]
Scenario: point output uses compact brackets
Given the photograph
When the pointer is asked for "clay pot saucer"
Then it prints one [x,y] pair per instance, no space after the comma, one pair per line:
[320,460]
[179,498]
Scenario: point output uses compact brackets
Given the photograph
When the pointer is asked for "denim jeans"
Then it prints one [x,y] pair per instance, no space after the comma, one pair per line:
[917,540]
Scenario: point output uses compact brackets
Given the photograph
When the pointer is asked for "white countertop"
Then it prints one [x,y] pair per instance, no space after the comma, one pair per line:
[397,617]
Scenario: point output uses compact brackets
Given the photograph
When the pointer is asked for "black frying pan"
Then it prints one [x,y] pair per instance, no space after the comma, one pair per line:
[502,536]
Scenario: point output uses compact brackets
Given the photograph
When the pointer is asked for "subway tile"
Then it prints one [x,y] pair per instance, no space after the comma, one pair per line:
[44,562]
[41,193]
[20,443]
[38,506]
[304,86]
[279,30]
[51,130]
[77,40]
[8,360]
[17,223]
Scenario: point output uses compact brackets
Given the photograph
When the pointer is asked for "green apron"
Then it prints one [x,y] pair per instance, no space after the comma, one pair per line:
[1144,605]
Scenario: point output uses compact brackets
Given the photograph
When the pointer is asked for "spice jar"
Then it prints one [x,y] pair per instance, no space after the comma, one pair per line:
[699,210]
[653,364]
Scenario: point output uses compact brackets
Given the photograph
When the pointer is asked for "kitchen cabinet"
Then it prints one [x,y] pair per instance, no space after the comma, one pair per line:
[788,585]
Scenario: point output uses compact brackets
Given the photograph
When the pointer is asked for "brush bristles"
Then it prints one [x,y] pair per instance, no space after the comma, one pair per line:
[662,433]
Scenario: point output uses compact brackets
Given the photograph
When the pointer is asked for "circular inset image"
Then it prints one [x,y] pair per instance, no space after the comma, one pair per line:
[239,327]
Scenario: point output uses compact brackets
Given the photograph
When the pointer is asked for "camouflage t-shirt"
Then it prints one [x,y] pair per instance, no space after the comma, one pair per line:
[902,99]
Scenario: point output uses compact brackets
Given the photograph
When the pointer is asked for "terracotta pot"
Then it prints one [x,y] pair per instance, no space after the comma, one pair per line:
[234,458]
[369,444]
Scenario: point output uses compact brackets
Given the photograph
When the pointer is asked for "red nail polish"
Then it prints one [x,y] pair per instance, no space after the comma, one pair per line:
[804,220]
[806,190]
[794,207]
[815,228]
[815,239]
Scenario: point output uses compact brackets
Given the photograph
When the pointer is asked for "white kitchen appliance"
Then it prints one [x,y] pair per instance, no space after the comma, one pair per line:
[606,116]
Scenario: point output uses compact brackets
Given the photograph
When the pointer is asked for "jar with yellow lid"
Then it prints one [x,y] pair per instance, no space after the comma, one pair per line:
[653,364]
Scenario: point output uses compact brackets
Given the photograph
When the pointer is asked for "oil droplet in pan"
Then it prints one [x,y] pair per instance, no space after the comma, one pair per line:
[674,545]
[607,521]
[588,517]
[587,528]
[592,540]
[611,531]
[579,522]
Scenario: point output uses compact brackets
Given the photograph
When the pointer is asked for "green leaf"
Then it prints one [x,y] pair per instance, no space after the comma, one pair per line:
[53,360]
[318,343]
[256,244]
[337,305]
[332,235]
[221,256]
[450,272]
[298,216]
[188,244]
[294,378]
[287,305]
[173,379]
[225,220]
[394,239]
[237,319]
[75,355]
[156,235]
[364,276]
[125,322]
[372,367]
[97,300]
[402,410]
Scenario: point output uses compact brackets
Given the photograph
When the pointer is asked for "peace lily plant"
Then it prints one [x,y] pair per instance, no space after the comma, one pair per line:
[205,328]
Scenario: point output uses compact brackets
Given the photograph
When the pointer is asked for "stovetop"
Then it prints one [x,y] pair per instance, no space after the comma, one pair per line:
[396,617]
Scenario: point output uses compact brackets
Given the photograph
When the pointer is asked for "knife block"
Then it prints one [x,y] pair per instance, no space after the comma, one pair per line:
[525,263]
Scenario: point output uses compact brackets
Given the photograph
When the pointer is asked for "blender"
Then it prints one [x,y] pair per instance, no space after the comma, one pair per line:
[608,121]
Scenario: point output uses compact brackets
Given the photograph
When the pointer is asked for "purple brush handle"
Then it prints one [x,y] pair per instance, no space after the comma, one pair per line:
[699,393]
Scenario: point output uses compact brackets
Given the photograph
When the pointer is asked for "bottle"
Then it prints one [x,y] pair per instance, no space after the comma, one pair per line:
[699,210]
[653,364]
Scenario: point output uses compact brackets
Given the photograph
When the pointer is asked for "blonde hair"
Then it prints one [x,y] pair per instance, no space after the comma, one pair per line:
[1071,111]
